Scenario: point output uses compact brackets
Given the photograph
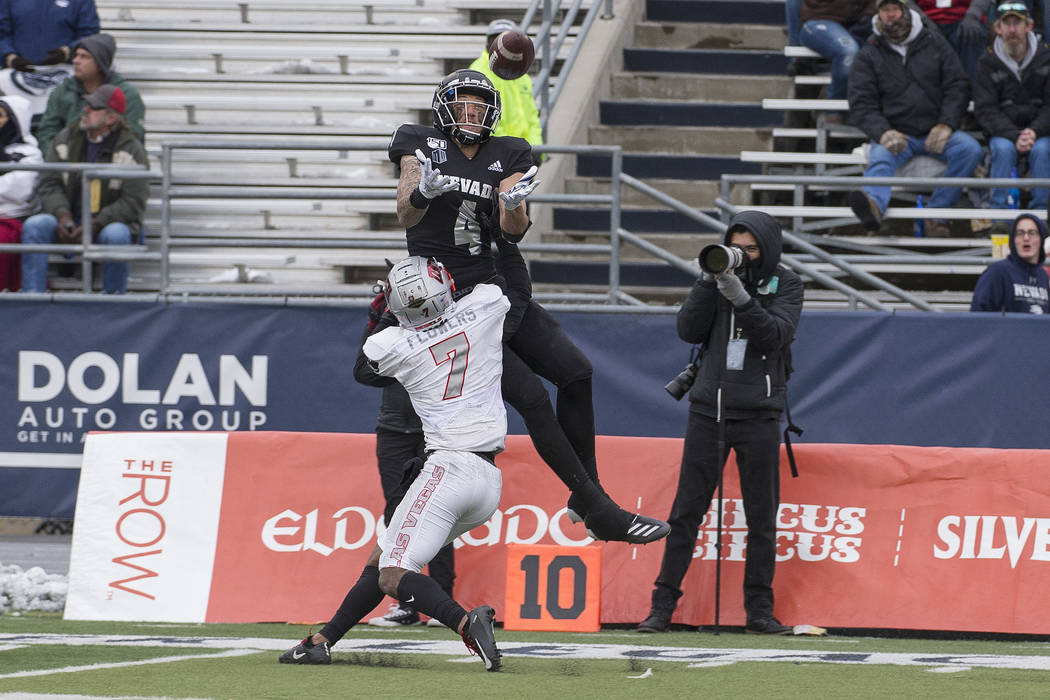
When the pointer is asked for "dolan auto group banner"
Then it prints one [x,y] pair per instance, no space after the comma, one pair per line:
[226,528]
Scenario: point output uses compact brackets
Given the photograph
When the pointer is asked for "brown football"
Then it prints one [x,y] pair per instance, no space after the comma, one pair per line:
[511,54]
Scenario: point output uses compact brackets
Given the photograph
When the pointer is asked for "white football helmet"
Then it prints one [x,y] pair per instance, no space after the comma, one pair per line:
[419,292]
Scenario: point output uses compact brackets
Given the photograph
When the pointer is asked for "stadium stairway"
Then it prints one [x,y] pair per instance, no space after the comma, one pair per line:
[687,101]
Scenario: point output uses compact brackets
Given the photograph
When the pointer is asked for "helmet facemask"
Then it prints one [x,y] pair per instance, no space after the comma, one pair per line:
[467,107]
[419,292]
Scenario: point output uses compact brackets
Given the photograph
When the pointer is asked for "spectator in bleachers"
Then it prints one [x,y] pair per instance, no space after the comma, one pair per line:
[101,136]
[964,30]
[38,33]
[1012,102]
[831,28]
[17,187]
[92,68]
[1018,283]
[908,93]
[519,116]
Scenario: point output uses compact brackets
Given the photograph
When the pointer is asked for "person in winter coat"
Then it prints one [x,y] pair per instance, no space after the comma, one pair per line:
[1012,102]
[17,187]
[1018,283]
[746,320]
[964,30]
[827,29]
[908,93]
[36,33]
[101,136]
[92,68]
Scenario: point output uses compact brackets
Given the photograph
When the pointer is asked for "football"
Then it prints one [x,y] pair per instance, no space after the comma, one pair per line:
[511,54]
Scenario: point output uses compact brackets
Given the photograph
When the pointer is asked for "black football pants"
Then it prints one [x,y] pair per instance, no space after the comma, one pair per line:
[565,441]
[756,442]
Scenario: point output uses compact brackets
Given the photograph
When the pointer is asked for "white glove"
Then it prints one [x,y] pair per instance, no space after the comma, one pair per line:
[513,197]
[732,288]
[431,182]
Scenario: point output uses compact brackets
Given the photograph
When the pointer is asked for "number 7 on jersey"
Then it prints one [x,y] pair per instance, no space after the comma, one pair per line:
[453,350]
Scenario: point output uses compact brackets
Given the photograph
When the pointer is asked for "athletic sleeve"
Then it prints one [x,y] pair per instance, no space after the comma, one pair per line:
[404,142]
[378,350]
[519,158]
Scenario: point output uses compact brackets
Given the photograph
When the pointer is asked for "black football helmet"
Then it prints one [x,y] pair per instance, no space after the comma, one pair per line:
[450,108]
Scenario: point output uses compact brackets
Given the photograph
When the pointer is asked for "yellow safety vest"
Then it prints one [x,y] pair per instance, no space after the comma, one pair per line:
[519,116]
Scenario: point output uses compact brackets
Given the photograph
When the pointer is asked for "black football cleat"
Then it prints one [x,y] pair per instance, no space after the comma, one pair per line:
[307,653]
[614,524]
[480,638]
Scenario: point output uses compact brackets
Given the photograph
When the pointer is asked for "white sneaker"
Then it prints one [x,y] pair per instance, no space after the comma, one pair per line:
[434,622]
[397,616]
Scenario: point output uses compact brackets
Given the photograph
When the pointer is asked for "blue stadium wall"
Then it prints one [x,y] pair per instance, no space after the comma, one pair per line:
[959,380]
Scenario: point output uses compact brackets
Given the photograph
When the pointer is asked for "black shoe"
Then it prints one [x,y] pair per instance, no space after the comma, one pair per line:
[575,509]
[766,625]
[613,524]
[307,653]
[866,210]
[656,622]
[399,615]
[480,638]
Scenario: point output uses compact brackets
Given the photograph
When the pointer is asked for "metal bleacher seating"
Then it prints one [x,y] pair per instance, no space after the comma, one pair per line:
[281,73]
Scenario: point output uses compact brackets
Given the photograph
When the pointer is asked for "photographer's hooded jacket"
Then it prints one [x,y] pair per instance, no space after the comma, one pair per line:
[767,322]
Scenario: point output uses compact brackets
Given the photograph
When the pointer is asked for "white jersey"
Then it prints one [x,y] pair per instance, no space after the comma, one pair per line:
[452,372]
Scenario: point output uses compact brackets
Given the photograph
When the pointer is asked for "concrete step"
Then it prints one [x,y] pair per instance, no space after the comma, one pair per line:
[682,139]
[640,220]
[695,193]
[706,35]
[682,113]
[727,11]
[705,88]
[662,165]
[685,246]
[744,61]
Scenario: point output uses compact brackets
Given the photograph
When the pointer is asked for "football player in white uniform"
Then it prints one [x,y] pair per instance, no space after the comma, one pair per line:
[449,357]
[460,189]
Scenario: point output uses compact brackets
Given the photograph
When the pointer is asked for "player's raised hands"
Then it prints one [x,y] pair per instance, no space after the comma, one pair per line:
[431,182]
[513,197]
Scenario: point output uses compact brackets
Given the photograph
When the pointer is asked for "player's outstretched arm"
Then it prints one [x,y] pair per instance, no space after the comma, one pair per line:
[514,215]
[408,215]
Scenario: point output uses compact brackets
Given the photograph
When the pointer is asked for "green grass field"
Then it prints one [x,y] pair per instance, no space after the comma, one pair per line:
[43,654]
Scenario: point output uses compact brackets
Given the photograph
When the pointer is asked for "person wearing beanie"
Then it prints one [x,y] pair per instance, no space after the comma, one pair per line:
[519,116]
[908,93]
[92,68]
[1012,104]
[101,135]
[35,33]
[1018,283]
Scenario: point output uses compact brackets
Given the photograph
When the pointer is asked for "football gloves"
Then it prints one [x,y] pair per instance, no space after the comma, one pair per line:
[431,182]
[513,197]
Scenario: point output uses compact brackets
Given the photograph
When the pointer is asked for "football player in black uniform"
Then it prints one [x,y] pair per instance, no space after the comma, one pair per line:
[460,187]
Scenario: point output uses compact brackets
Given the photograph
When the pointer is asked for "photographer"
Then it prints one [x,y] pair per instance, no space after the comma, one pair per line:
[746,319]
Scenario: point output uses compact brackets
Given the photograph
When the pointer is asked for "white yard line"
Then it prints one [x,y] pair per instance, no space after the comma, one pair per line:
[454,647]
[126,664]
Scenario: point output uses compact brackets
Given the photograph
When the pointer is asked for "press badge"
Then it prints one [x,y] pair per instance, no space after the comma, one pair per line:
[735,353]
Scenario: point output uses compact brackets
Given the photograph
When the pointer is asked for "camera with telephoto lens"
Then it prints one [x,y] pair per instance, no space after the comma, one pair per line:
[716,258]
[680,385]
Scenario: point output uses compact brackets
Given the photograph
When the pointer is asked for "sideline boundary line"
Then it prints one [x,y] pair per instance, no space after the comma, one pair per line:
[692,655]
[125,664]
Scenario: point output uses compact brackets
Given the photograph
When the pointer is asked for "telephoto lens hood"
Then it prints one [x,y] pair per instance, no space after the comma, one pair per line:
[715,259]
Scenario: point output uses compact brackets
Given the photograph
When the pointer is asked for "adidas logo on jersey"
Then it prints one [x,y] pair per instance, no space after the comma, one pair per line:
[497,166]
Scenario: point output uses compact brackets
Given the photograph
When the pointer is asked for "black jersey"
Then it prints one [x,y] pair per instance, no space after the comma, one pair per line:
[449,229]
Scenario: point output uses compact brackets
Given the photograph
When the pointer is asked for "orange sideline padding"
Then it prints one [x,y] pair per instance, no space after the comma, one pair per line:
[876,536]
[552,588]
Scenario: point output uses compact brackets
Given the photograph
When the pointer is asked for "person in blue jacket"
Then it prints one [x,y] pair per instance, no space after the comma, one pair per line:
[1019,283]
[38,33]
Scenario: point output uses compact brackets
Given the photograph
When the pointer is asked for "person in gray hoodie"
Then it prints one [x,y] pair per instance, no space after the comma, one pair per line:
[1012,103]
